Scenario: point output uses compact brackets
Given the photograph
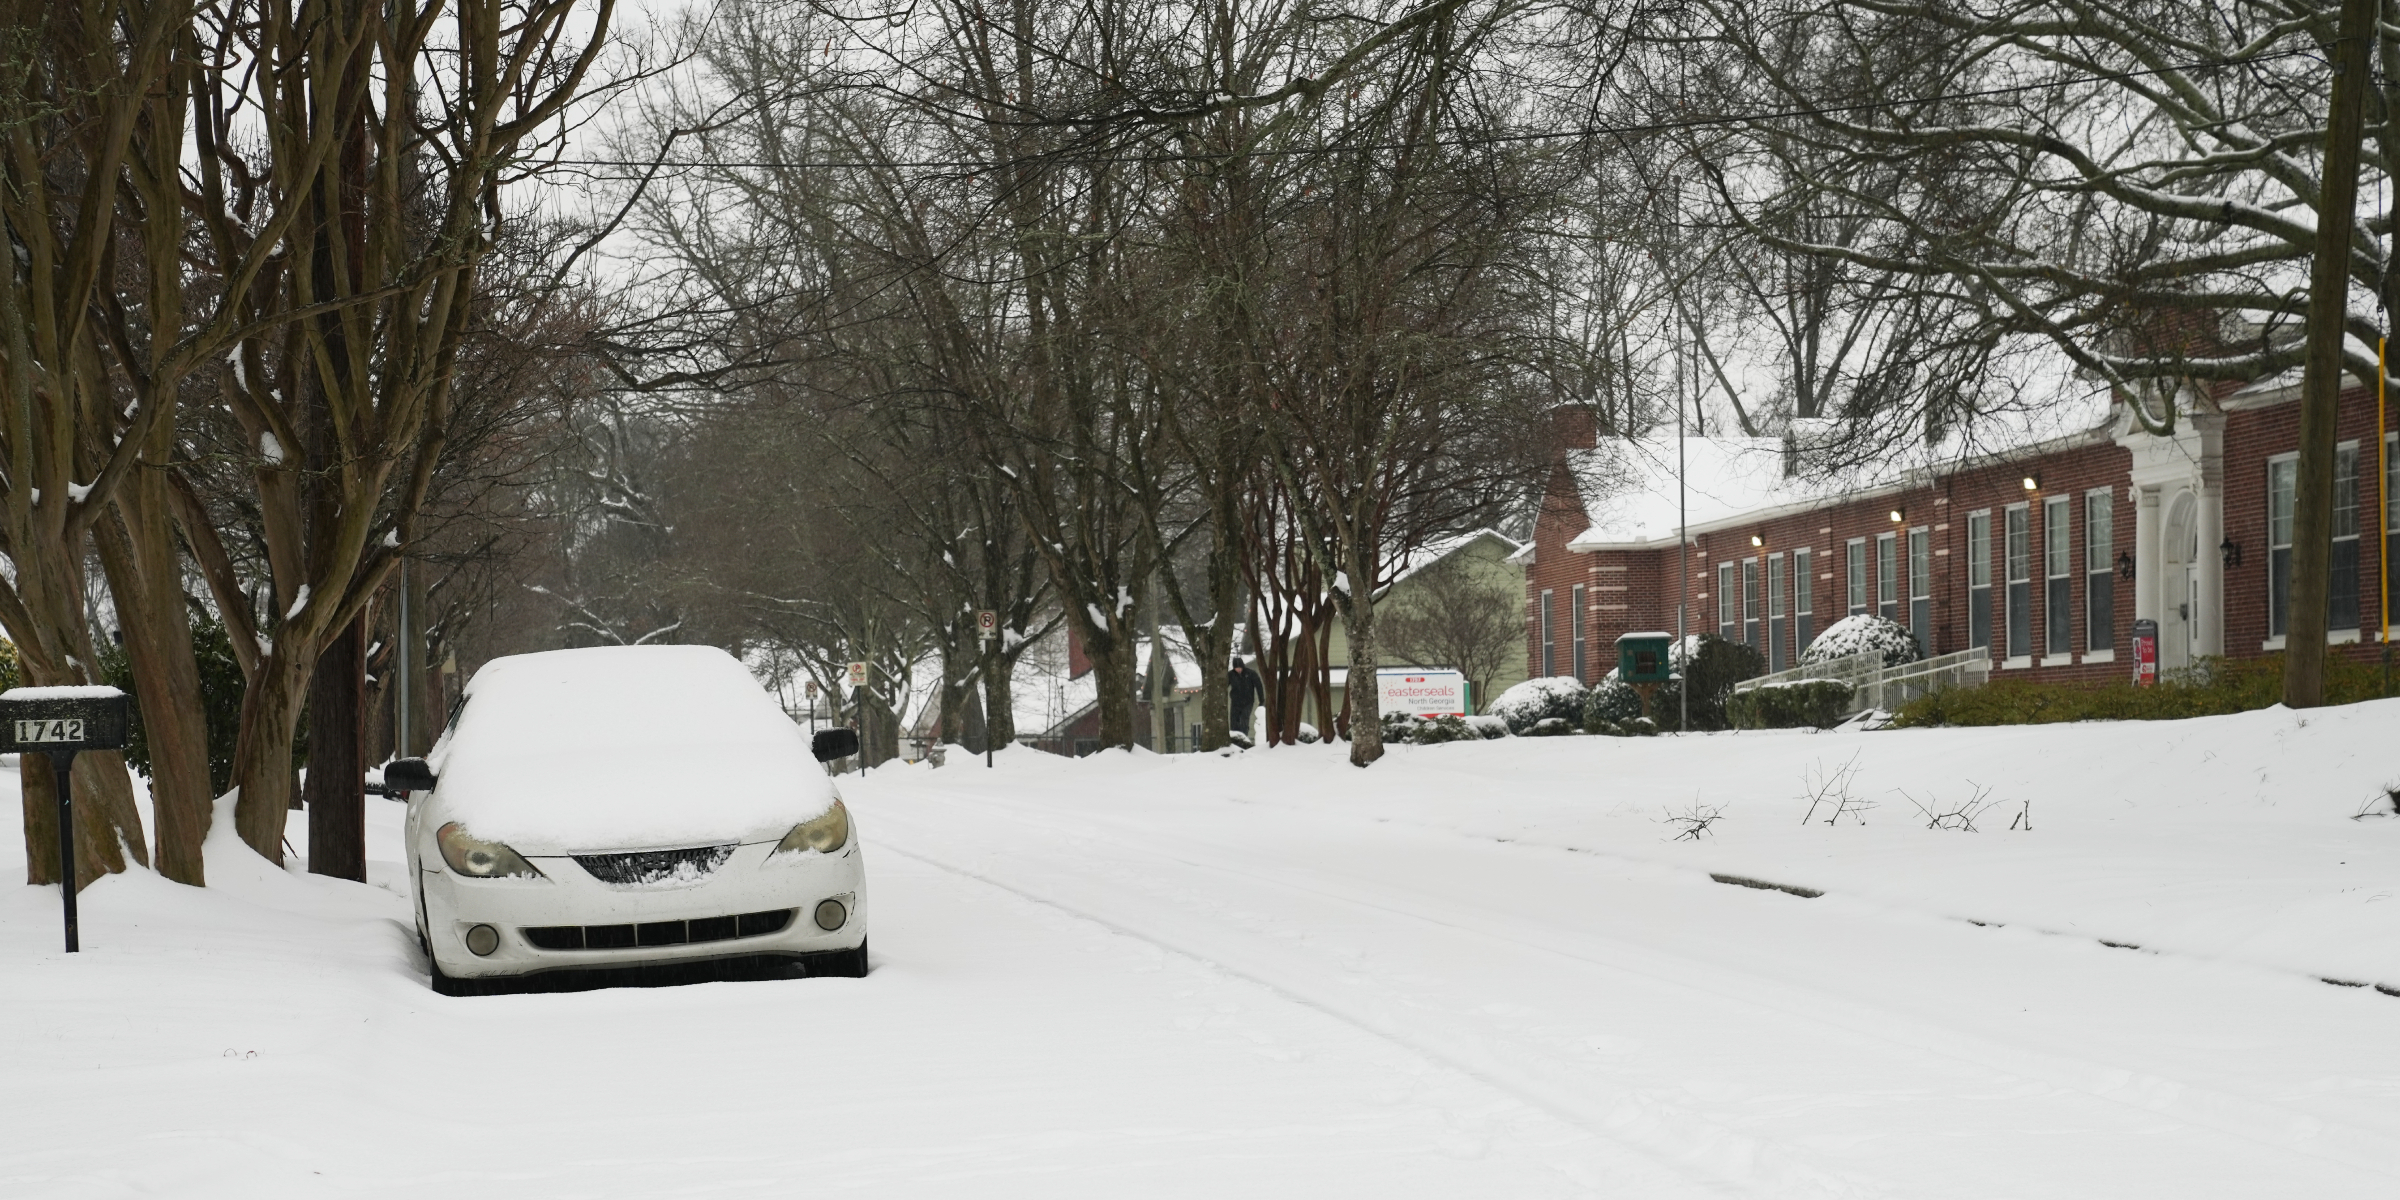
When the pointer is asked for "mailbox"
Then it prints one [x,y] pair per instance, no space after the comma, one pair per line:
[1643,657]
[62,722]
[37,720]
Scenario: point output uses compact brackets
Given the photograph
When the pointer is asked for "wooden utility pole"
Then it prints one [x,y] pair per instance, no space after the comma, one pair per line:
[2321,383]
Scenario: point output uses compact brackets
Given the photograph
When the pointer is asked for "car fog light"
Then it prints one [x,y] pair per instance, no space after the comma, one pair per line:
[831,914]
[483,939]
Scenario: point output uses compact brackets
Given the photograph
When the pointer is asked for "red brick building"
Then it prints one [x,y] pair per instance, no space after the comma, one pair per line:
[2046,552]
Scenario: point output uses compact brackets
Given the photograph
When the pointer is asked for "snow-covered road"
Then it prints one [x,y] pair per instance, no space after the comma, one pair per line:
[1474,970]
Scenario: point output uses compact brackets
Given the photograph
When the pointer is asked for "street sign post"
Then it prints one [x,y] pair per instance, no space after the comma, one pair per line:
[856,673]
[987,625]
[61,722]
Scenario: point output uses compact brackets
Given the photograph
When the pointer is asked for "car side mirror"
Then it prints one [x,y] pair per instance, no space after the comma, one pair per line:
[407,775]
[829,745]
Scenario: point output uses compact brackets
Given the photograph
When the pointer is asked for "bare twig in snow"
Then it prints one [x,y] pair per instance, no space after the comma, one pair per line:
[1694,821]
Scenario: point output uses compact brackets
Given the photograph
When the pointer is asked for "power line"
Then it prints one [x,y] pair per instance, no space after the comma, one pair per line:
[1586,131]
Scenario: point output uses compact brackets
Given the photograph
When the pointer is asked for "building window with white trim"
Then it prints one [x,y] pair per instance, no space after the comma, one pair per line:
[1920,587]
[2058,577]
[1575,620]
[1750,603]
[1979,580]
[1887,578]
[2283,474]
[2019,549]
[2341,597]
[2099,570]
[1729,617]
[1804,586]
[1777,638]
[1858,575]
[2391,519]
[1549,647]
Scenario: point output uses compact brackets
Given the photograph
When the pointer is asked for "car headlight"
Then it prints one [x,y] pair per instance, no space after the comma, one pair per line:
[824,833]
[479,859]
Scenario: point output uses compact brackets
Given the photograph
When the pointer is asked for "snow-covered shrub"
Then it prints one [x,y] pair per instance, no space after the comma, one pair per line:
[1553,727]
[1814,704]
[1536,700]
[1443,729]
[1611,705]
[1862,632]
[1714,668]
[1307,735]
[1487,726]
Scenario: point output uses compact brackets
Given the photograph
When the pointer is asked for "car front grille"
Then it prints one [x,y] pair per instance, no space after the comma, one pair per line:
[658,933]
[650,868]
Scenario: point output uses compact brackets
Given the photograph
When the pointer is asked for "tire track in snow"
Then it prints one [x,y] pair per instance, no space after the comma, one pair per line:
[1563,1108]
[1756,996]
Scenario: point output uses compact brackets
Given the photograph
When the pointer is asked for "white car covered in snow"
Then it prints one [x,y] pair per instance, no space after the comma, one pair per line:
[628,806]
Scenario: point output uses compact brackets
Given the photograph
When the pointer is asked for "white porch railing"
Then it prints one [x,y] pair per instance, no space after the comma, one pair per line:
[1875,686]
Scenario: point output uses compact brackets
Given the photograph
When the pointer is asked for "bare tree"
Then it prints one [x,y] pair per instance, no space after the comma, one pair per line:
[2115,184]
[1458,619]
[389,141]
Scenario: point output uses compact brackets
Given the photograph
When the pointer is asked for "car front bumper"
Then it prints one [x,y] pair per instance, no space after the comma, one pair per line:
[664,923]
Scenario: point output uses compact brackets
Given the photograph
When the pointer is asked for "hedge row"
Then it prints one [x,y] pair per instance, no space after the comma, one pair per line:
[2212,688]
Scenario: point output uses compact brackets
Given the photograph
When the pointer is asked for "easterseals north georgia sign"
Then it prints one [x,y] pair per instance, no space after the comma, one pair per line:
[1422,691]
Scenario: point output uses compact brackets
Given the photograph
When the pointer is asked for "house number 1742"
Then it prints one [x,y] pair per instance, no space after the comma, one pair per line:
[49,731]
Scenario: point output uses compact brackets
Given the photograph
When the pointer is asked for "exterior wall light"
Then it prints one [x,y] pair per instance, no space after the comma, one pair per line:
[2124,565]
[2033,483]
[2231,551]
[1899,515]
[1756,540]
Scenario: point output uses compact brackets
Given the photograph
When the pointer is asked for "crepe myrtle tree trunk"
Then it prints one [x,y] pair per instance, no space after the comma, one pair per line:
[335,789]
[262,750]
[999,701]
[2321,380]
[145,582]
[1361,698]
[45,618]
[1110,646]
[1214,641]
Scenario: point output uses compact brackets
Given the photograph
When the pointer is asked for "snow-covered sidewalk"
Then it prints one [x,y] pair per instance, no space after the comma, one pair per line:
[1477,969]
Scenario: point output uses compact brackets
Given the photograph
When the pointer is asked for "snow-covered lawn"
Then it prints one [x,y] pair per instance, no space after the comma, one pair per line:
[1477,969]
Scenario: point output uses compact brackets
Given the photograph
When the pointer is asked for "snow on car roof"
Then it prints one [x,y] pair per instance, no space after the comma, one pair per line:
[605,695]
[626,747]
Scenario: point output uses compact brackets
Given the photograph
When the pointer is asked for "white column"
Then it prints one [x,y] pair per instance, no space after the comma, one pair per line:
[2147,564]
[2211,568]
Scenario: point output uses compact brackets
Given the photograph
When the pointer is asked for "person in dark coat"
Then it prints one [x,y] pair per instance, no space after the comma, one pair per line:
[1247,687]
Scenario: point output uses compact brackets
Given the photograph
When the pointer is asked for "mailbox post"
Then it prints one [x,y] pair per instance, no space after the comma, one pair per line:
[1643,664]
[61,722]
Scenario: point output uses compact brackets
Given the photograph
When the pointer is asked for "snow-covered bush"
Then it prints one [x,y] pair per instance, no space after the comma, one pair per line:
[1429,731]
[1611,705]
[1487,726]
[1443,729]
[1813,704]
[1715,666]
[1862,632]
[1553,727]
[1306,735]
[1530,703]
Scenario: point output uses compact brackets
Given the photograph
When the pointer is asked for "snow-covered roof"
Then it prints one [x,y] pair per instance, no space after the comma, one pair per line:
[1440,548]
[1629,485]
[1629,488]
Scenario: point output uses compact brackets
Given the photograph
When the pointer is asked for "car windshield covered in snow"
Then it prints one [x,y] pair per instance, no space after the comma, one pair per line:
[628,746]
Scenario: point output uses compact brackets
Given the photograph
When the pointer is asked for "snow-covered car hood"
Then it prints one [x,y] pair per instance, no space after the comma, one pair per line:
[624,748]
